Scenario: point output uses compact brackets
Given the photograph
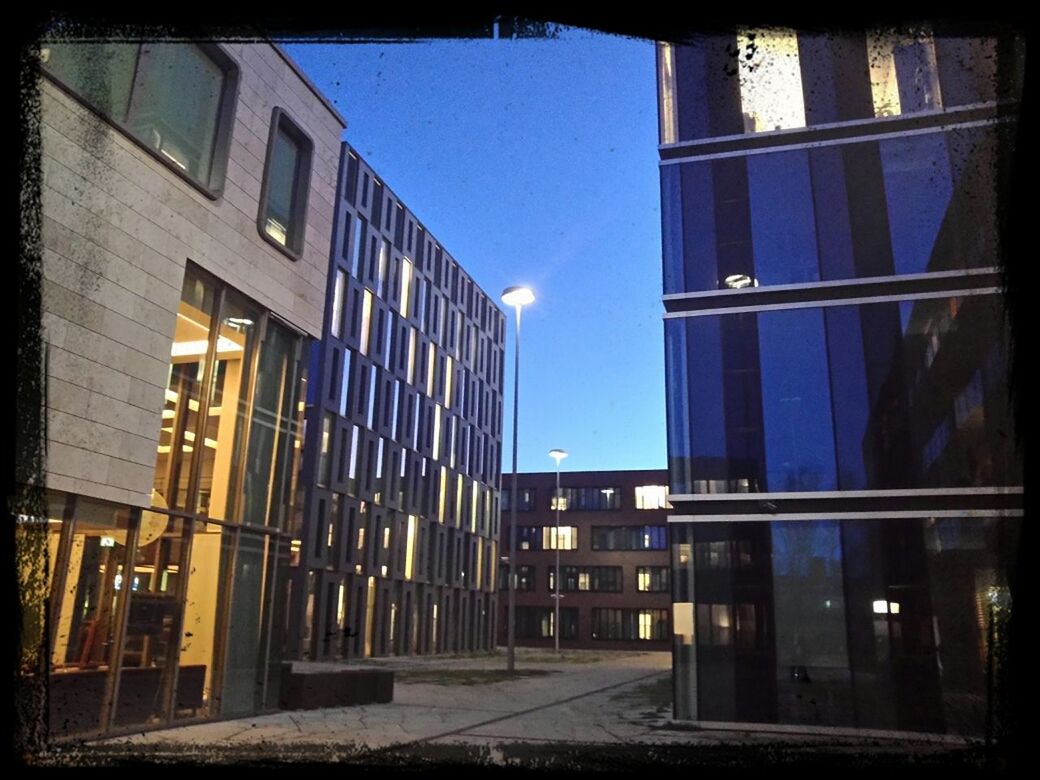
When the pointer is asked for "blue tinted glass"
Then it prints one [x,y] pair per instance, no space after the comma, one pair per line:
[783,225]
[697,232]
[671,229]
[848,381]
[917,190]
[796,401]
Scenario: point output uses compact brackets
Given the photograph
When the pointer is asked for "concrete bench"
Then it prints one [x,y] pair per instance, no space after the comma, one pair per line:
[308,689]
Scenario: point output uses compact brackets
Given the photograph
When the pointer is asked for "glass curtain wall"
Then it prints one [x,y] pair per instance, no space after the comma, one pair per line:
[176,612]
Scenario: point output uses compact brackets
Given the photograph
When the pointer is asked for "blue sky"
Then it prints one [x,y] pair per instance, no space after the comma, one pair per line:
[533,162]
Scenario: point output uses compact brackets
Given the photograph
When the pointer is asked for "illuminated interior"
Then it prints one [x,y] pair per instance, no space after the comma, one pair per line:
[770,80]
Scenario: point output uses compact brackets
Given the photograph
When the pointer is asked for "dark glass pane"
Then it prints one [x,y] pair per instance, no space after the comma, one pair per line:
[876,396]
[918,189]
[175,105]
[100,73]
[796,401]
[244,668]
[282,172]
[265,487]
[905,205]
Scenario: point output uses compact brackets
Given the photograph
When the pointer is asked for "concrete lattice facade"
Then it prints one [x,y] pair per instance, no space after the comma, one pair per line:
[397,551]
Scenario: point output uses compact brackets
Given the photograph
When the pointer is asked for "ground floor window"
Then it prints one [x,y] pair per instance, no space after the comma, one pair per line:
[140,624]
[644,624]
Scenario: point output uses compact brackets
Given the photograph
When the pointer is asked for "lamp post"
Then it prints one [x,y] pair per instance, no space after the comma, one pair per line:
[517,297]
[557,455]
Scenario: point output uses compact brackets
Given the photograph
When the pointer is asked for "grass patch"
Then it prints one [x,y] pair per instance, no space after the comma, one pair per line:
[464,676]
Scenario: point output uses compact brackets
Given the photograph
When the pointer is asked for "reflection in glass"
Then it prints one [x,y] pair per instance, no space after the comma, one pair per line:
[770,80]
[153,621]
[266,470]
[203,622]
[872,396]
[244,668]
[220,457]
[180,416]
[903,73]
[86,616]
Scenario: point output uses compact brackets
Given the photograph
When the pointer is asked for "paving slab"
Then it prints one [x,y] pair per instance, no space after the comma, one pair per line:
[584,700]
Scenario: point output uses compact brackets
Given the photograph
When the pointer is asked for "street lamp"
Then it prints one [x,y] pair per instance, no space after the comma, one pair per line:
[557,455]
[517,297]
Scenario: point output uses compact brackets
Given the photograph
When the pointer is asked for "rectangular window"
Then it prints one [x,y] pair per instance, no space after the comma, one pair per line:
[567,539]
[630,537]
[592,579]
[652,579]
[366,322]
[628,624]
[652,497]
[287,174]
[526,502]
[525,577]
[537,622]
[357,249]
[587,499]
[324,455]
[176,100]
[336,325]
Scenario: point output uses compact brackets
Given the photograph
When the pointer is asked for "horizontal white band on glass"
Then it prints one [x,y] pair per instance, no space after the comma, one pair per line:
[829,494]
[887,515]
[813,304]
[864,281]
[935,115]
[834,133]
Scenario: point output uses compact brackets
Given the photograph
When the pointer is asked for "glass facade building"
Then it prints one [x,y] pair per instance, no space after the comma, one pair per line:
[841,452]
[395,550]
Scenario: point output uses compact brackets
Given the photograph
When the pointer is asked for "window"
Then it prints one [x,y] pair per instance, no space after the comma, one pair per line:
[524,577]
[567,535]
[652,497]
[652,579]
[645,624]
[629,537]
[525,504]
[176,100]
[587,499]
[537,537]
[287,174]
[537,622]
[594,579]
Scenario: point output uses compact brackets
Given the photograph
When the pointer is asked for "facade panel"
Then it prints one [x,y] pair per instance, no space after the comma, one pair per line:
[174,347]
[613,558]
[842,459]
[399,527]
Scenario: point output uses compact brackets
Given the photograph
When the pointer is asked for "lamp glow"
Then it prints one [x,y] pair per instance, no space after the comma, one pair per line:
[738,281]
[517,296]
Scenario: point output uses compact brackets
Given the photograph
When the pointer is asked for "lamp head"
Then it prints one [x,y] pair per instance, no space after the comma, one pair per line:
[517,296]
[557,455]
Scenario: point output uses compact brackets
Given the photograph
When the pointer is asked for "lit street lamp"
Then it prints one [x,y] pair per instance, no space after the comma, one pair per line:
[517,297]
[557,455]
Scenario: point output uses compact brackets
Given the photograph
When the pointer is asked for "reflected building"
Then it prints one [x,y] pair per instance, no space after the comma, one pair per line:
[613,551]
[842,463]
[395,548]
[187,202]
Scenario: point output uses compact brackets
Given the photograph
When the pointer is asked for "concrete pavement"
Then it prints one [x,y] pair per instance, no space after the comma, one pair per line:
[590,704]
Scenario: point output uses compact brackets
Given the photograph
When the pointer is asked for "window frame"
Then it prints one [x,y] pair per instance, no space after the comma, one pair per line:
[297,229]
[225,118]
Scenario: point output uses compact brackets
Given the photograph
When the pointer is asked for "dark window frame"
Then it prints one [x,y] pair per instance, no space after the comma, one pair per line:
[296,231]
[227,103]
